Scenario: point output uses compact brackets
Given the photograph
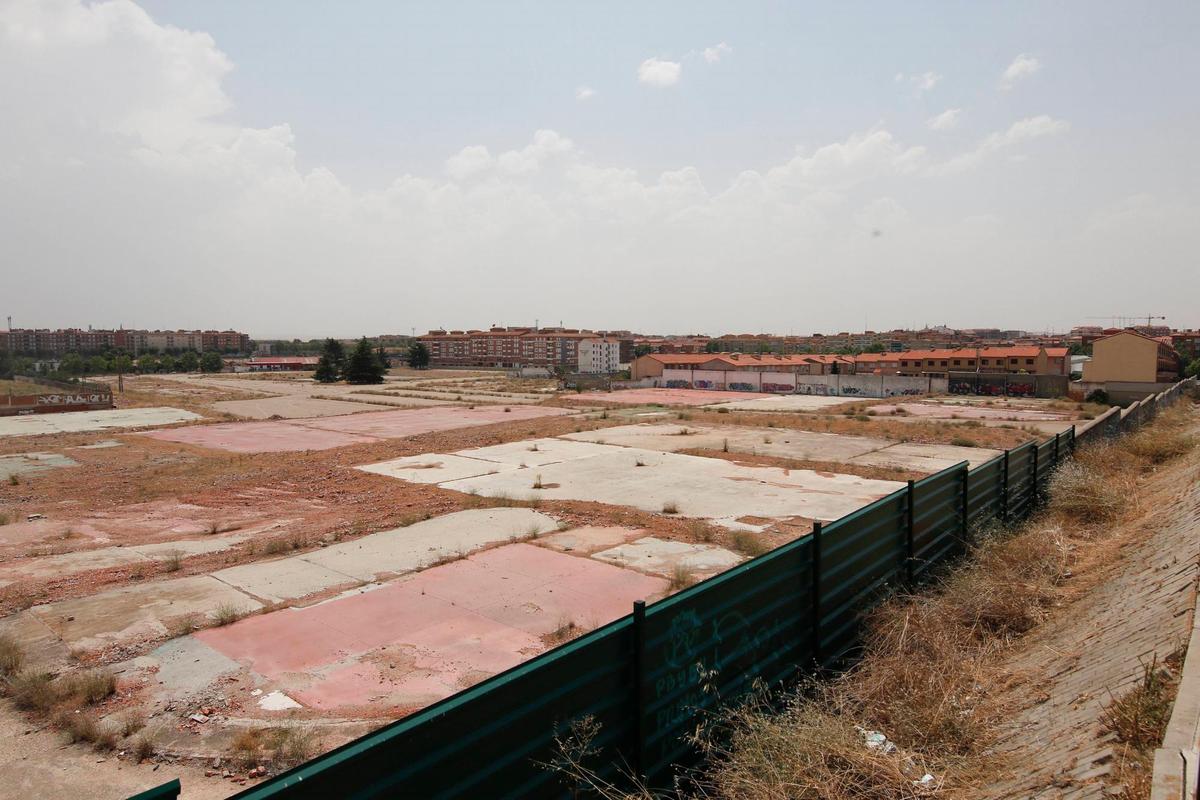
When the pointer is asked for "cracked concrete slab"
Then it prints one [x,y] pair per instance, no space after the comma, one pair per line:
[925,457]
[786,402]
[779,442]
[663,557]
[589,539]
[698,487]
[283,579]
[82,421]
[424,543]
[434,468]
[32,463]
[128,612]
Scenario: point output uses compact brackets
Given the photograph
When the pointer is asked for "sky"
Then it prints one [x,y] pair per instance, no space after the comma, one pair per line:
[311,169]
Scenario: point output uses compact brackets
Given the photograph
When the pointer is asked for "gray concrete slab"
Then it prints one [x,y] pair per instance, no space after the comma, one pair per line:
[32,463]
[65,564]
[589,539]
[786,402]
[82,421]
[531,452]
[425,543]
[779,442]
[183,666]
[283,578]
[289,407]
[664,557]
[434,468]
[698,487]
[925,457]
[131,612]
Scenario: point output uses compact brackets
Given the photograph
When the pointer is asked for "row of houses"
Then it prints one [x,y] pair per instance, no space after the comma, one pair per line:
[1011,360]
[57,342]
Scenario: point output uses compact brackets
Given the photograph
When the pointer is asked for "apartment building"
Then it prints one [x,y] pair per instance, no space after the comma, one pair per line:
[506,347]
[1132,357]
[599,356]
[44,341]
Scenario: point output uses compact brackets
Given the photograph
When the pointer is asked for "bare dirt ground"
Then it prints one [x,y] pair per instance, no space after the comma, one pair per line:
[110,523]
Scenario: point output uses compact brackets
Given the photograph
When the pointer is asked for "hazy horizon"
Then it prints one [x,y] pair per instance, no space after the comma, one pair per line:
[297,171]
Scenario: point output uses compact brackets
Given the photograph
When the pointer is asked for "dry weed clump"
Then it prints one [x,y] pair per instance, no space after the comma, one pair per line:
[280,747]
[11,656]
[804,752]
[1161,442]
[1087,492]
[1010,585]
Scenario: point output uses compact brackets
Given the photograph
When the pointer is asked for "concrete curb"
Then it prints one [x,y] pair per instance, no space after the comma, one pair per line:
[1177,762]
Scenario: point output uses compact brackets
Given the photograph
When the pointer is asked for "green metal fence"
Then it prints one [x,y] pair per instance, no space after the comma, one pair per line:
[647,677]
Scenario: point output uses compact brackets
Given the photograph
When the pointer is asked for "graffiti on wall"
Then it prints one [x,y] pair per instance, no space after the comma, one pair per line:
[812,388]
[678,384]
[738,386]
[73,399]
[901,392]
[778,388]
[703,384]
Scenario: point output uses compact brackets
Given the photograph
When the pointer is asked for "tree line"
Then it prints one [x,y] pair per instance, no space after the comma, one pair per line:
[74,365]
[363,365]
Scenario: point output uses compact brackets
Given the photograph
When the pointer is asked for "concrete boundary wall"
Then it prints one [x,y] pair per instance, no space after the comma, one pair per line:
[1177,763]
[792,383]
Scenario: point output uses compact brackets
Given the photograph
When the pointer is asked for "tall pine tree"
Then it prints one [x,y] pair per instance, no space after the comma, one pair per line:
[363,366]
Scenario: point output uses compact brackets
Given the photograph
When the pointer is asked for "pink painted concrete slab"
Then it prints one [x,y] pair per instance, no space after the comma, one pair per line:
[668,397]
[258,437]
[425,637]
[414,421]
[948,411]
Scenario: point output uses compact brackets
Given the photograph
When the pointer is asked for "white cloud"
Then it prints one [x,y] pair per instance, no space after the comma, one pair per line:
[546,144]
[1021,131]
[1023,66]
[947,120]
[657,72]
[584,93]
[919,82]
[469,161]
[714,54]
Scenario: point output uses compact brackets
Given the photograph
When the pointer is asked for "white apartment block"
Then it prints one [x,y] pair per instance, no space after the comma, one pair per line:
[599,356]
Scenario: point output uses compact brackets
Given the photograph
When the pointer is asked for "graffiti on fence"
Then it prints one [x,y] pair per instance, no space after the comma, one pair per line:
[1019,390]
[743,387]
[812,388]
[901,392]
[700,654]
[678,384]
[778,388]
[703,384]
[851,390]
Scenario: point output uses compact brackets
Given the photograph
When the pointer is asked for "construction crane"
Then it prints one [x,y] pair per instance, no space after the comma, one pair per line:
[1124,321]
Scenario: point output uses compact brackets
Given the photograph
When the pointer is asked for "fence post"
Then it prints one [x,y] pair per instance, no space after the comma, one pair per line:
[909,515]
[966,500]
[1033,497]
[816,592]
[1073,440]
[639,701]
[1004,489]
[1056,448]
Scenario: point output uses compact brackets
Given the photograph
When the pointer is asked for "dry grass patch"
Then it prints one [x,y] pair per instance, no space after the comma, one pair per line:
[682,576]
[11,656]
[280,747]
[748,544]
